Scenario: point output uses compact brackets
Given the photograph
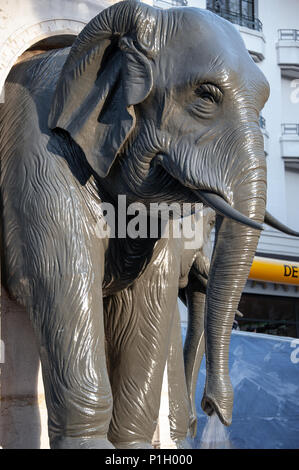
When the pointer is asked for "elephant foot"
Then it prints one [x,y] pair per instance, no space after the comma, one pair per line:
[133,445]
[81,443]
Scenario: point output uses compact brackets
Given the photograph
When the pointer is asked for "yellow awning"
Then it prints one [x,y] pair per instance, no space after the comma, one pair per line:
[274,270]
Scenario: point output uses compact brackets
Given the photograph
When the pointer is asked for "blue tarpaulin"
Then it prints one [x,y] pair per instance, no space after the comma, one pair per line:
[264,371]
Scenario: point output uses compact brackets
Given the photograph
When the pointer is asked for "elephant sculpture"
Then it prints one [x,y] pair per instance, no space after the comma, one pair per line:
[156,105]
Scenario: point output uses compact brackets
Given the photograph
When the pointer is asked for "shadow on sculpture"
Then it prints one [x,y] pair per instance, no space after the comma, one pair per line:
[121,113]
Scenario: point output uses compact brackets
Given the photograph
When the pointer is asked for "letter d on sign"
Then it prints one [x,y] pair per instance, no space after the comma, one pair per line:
[287,270]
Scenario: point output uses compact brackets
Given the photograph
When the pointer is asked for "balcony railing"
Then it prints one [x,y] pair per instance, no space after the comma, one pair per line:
[288,34]
[237,18]
[173,3]
[290,129]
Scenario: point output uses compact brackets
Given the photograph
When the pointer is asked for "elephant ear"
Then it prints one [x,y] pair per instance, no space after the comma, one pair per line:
[99,84]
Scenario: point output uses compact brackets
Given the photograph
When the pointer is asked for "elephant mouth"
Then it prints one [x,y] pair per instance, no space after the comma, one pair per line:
[210,198]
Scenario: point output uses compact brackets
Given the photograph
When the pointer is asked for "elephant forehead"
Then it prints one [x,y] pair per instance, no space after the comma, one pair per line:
[204,31]
[209,48]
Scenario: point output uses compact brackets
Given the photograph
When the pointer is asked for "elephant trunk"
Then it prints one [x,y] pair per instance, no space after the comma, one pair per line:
[234,250]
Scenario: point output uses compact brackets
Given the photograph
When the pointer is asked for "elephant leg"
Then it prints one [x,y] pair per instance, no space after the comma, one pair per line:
[60,286]
[71,343]
[138,336]
[194,346]
[177,390]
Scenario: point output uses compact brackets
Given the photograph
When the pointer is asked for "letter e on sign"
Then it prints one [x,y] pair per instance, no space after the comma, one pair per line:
[295,271]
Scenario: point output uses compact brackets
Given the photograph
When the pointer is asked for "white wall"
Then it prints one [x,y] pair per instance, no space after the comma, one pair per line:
[292,199]
[197,3]
[283,13]
[279,109]
[273,109]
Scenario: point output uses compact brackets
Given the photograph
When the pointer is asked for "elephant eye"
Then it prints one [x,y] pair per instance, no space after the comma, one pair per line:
[209,92]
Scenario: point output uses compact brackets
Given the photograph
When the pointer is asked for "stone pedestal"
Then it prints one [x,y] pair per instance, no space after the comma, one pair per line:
[23,413]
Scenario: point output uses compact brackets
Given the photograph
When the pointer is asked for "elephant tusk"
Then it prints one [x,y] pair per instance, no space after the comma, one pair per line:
[217,203]
[273,222]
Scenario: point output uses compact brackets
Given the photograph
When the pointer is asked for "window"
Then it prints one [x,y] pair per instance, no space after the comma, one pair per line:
[241,7]
[237,11]
[176,3]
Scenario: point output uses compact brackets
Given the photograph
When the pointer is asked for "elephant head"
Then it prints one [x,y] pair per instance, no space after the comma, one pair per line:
[165,105]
